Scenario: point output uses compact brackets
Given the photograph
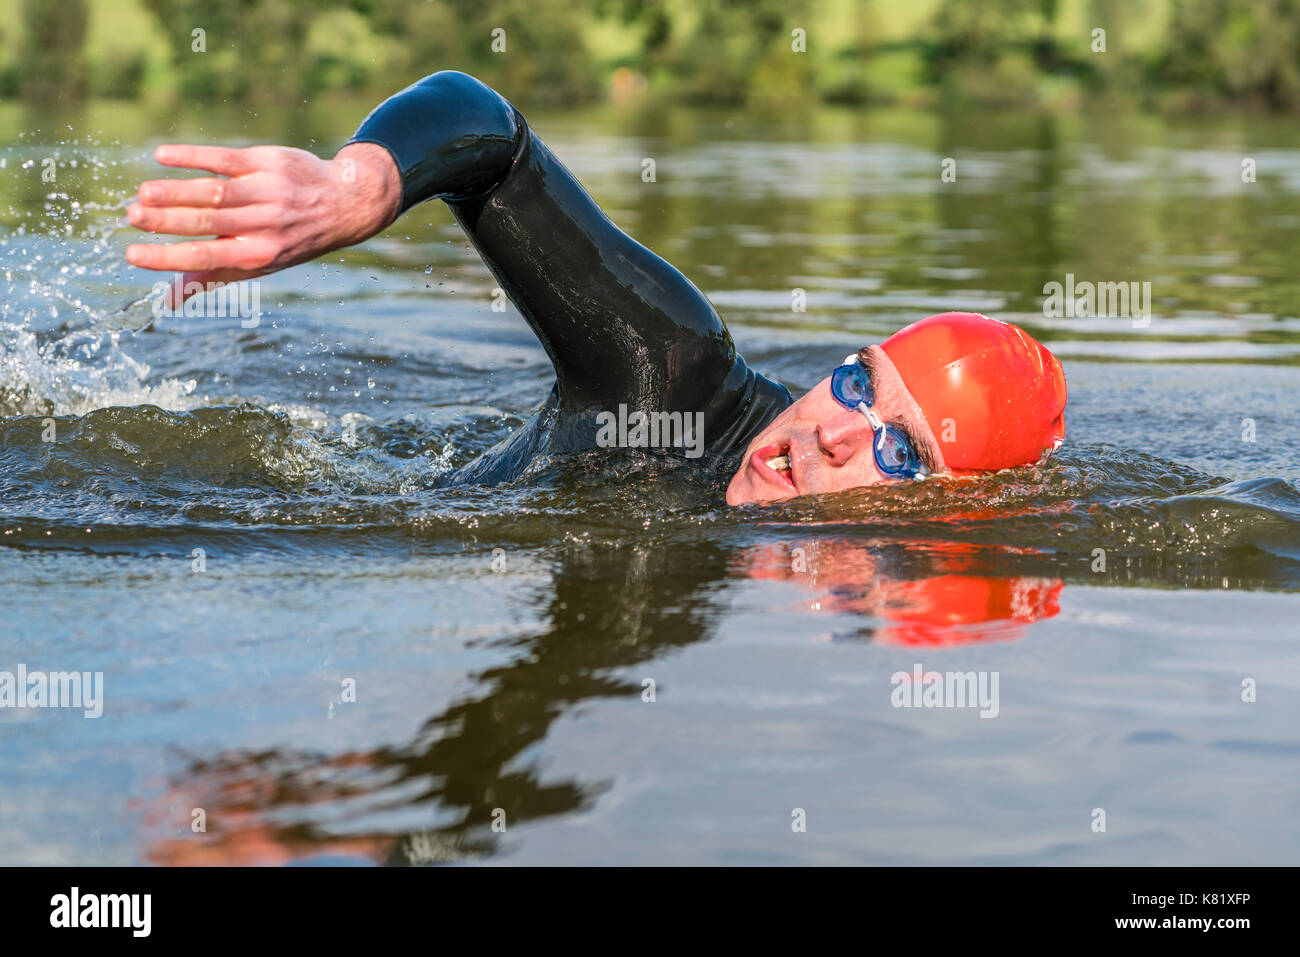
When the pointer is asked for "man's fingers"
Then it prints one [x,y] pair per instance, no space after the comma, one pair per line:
[226,160]
[204,256]
[207,192]
[188,221]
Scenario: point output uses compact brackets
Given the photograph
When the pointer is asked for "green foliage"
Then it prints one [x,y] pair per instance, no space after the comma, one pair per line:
[1239,49]
[291,48]
[722,51]
[50,65]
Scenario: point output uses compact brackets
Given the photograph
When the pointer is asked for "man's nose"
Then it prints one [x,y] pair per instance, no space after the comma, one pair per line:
[840,436]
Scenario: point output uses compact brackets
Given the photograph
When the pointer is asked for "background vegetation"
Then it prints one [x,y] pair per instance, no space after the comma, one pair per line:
[1170,53]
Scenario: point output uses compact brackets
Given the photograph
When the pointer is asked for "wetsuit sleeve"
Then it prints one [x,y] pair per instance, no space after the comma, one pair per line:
[451,137]
[620,324]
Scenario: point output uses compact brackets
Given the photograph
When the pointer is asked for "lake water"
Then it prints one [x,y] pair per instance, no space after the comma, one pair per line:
[319,656]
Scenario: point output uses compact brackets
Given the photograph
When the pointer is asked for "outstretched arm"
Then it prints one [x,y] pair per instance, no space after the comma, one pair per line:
[619,323]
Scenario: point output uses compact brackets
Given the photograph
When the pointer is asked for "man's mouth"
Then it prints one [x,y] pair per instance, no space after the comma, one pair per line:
[773,463]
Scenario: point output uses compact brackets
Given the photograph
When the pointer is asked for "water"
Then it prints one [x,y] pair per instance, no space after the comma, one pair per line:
[501,642]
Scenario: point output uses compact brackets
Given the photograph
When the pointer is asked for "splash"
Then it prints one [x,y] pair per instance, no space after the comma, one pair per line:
[61,271]
[77,374]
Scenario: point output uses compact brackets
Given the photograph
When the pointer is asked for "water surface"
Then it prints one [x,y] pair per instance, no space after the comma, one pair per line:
[502,642]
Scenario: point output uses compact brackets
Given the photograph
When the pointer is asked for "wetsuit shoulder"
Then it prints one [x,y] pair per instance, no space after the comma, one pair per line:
[450,135]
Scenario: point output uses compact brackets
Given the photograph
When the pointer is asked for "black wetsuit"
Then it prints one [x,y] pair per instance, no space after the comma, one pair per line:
[620,324]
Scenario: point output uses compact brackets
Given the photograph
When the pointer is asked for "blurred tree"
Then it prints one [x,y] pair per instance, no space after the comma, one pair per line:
[1118,67]
[725,50]
[290,48]
[1242,49]
[993,50]
[1045,51]
[247,48]
[721,51]
[976,33]
[422,36]
[545,55]
[50,65]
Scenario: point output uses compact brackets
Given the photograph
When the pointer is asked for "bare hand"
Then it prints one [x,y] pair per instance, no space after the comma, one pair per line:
[275,207]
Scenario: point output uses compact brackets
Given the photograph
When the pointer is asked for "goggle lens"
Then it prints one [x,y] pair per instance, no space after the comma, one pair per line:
[895,454]
[850,385]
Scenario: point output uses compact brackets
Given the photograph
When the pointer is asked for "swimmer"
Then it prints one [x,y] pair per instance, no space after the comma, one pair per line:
[953,394]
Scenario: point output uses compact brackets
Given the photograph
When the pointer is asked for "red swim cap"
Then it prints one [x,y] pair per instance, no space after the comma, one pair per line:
[993,395]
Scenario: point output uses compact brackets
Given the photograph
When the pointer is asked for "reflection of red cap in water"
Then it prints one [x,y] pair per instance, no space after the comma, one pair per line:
[956,609]
[993,396]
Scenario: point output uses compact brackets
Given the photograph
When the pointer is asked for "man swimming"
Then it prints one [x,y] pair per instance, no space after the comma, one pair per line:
[957,393]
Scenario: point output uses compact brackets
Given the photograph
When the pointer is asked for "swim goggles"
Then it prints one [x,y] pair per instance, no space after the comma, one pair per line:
[894,451]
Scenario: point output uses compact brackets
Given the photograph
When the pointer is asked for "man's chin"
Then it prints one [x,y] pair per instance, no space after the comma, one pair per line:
[739,491]
[742,491]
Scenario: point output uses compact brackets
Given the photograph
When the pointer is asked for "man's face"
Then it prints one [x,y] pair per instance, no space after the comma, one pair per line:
[828,446]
